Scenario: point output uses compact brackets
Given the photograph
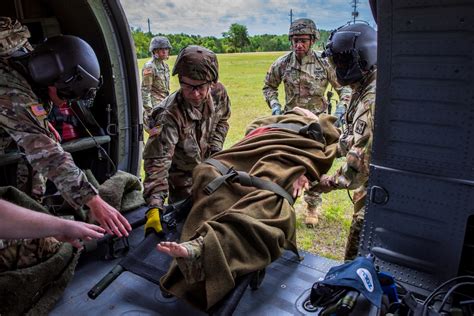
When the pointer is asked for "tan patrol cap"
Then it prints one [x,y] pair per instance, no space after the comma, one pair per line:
[198,63]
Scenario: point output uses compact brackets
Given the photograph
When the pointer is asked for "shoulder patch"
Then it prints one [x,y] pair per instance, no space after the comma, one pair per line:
[147,71]
[38,110]
[360,126]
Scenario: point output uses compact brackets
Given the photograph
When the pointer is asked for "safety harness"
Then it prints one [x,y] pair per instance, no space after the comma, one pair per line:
[230,175]
[312,130]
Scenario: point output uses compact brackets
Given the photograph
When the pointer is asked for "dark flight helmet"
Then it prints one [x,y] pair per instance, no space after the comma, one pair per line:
[68,63]
[352,51]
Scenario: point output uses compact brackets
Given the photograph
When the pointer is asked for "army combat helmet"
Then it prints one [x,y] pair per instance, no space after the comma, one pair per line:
[159,42]
[68,63]
[198,63]
[303,27]
[352,51]
[13,37]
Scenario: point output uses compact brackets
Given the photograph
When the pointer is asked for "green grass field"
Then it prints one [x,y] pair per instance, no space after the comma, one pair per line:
[243,75]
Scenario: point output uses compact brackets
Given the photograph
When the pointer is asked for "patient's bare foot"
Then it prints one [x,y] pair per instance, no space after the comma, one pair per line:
[173,249]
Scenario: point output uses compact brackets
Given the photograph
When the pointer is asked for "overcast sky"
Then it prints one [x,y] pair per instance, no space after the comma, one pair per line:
[212,17]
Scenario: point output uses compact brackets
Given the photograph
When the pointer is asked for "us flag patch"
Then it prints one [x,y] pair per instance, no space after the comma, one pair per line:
[147,71]
[38,110]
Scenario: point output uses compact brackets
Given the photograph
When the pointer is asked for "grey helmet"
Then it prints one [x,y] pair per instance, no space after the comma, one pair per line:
[159,42]
[68,63]
[304,27]
[352,50]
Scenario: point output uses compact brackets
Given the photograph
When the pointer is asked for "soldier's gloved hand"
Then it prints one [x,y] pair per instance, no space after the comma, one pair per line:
[153,221]
[276,108]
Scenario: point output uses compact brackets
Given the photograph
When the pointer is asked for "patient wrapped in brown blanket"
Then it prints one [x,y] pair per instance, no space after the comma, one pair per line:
[239,229]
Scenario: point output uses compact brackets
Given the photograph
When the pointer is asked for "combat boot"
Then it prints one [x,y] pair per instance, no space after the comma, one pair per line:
[311,217]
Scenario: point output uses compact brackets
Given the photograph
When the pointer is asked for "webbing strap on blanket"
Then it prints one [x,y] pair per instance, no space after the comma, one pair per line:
[230,175]
[313,130]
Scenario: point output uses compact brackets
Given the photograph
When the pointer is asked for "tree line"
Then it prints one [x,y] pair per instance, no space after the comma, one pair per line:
[235,40]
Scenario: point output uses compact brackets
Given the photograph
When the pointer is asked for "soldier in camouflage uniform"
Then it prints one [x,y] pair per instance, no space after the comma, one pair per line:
[23,115]
[305,76]
[57,72]
[353,52]
[155,77]
[187,127]
[29,181]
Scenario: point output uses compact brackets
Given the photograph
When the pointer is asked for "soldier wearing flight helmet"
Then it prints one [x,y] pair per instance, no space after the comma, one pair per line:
[67,68]
[352,51]
[60,69]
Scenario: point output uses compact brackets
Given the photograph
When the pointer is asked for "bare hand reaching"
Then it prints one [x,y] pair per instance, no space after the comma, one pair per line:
[72,232]
[108,217]
[301,184]
[18,222]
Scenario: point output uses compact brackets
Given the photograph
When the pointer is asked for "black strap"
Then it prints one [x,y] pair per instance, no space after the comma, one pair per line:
[312,130]
[291,126]
[135,261]
[229,303]
[230,175]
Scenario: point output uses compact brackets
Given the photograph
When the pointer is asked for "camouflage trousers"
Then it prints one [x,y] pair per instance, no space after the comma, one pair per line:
[18,254]
[353,240]
[313,199]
